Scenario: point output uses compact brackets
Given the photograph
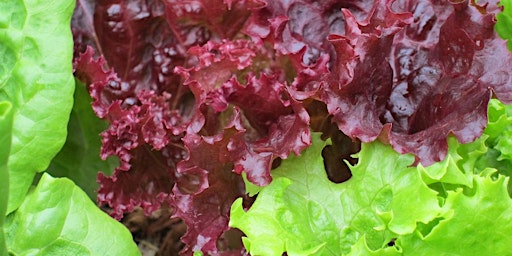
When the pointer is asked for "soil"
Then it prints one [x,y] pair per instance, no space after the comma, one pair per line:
[158,234]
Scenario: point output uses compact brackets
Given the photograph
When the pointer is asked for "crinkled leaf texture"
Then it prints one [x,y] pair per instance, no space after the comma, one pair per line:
[36,51]
[178,79]
[496,142]
[58,218]
[183,138]
[303,213]
[418,71]
[386,208]
[474,222]
[6,117]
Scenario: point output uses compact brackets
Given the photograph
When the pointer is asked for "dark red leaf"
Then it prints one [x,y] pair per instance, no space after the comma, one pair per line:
[205,207]
[418,80]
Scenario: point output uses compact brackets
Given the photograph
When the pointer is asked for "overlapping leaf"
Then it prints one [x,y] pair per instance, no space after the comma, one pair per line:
[79,159]
[303,213]
[36,78]
[418,79]
[172,77]
[504,23]
[473,222]
[58,218]
[5,140]
[386,208]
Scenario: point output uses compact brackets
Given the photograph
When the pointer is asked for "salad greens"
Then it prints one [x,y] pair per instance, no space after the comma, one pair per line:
[58,218]
[504,23]
[79,159]
[199,94]
[36,78]
[388,207]
[36,95]
[5,140]
[352,127]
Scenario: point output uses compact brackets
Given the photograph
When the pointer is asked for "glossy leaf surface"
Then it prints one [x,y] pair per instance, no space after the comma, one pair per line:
[58,218]
[36,78]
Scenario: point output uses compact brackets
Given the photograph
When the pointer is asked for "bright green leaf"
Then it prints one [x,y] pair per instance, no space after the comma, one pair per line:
[475,222]
[301,212]
[36,50]
[362,249]
[79,159]
[58,218]
[452,169]
[498,139]
[5,141]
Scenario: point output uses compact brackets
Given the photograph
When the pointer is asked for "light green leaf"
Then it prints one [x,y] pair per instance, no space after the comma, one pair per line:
[498,141]
[302,213]
[453,168]
[36,48]
[57,218]
[362,249]
[475,222]
[79,159]
[5,141]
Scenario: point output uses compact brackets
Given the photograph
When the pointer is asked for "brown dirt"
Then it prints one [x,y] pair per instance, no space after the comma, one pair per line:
[158,234]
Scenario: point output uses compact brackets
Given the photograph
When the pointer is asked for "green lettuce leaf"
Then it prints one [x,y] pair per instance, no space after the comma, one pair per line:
[498,134]
[36,50]
[5,141]
[477,221]
[386,208]
[302,213]
[79,159]
[58,218]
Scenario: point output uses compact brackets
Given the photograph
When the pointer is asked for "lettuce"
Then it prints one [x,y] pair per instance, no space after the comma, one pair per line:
[79,159]
[58,218]
[37,80]
[36,96]
[5,140]
[433,68]
[388,207]
[199,93]
[504,22]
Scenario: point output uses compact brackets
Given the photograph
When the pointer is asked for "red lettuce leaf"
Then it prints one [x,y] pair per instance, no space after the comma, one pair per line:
[197,92]
[165,126]
[427,77]
[214,188]
[274,123]
[298,25]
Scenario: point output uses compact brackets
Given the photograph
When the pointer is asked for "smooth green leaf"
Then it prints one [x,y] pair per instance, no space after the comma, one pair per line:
[79,159]
[58,218]
[302,213]
[5,141]
[474,222]
[36,49]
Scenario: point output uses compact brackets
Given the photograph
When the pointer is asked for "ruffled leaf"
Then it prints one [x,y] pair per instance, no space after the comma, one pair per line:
[418,79]
[295,215]
[480,216]
[206,188]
